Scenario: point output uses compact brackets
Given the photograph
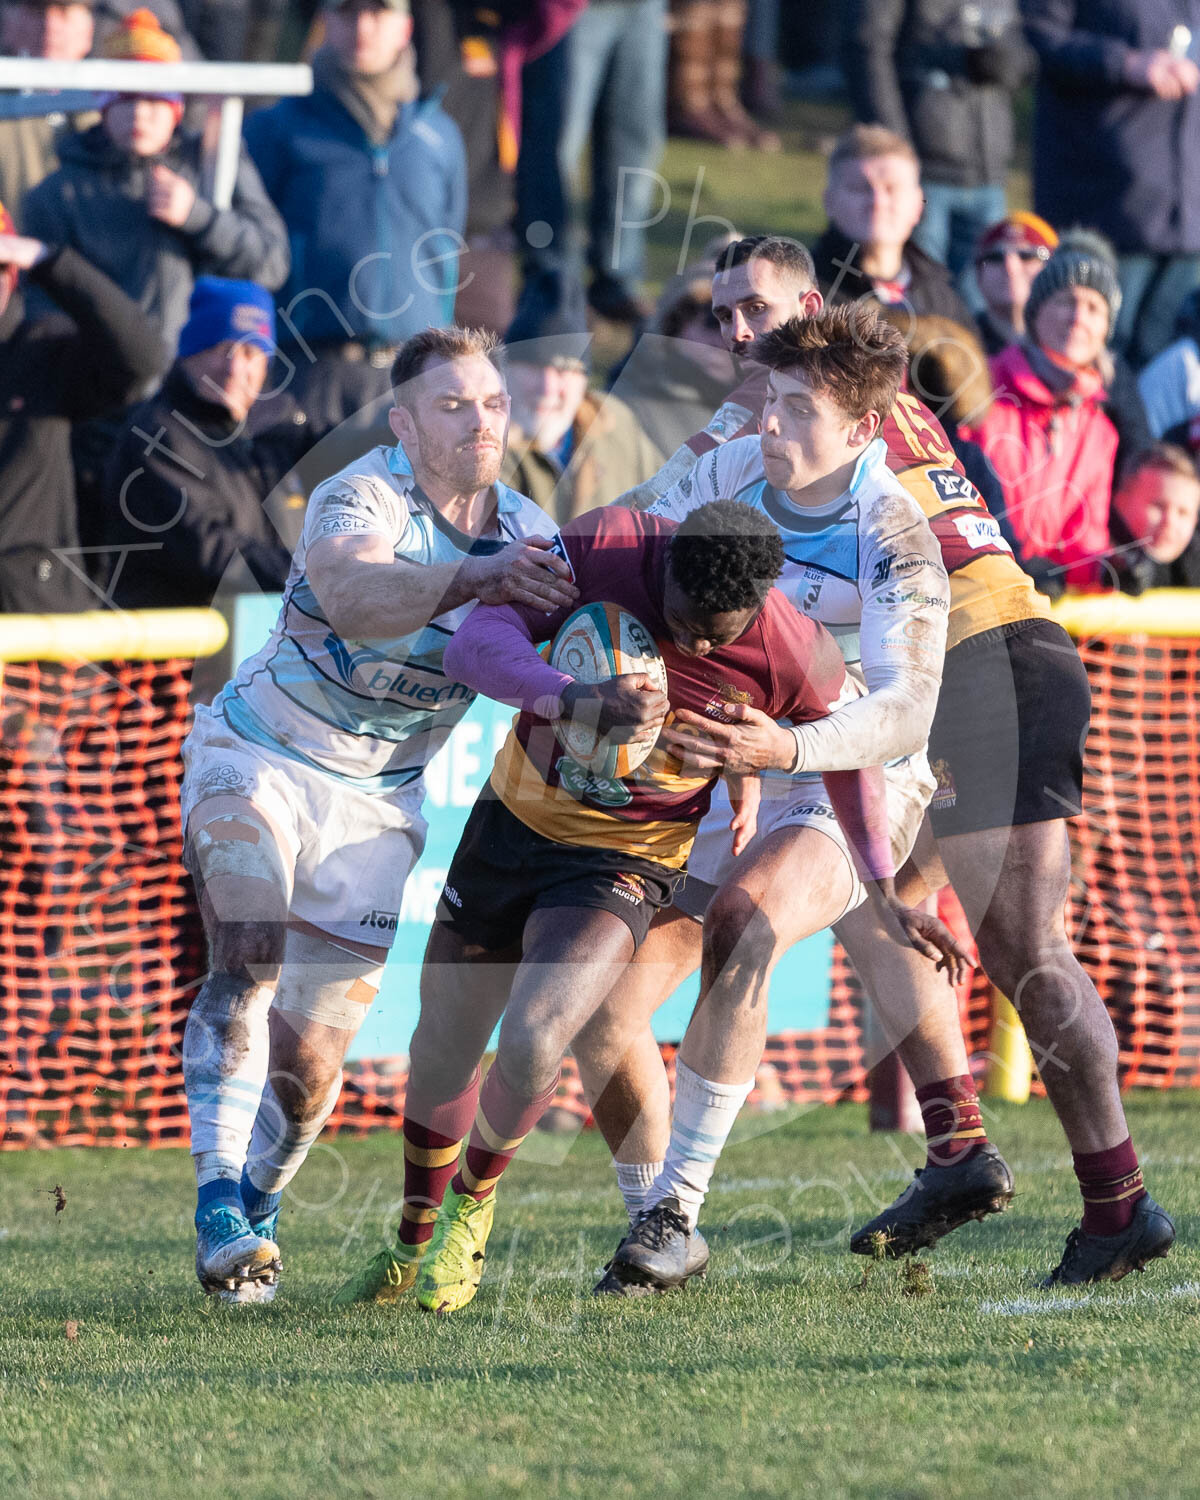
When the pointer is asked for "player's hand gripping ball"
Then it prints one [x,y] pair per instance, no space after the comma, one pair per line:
[599,644]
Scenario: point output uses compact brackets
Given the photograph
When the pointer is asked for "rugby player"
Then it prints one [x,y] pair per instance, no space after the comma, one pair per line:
[559,871]
[862,559]
[304,780]
[1006,747]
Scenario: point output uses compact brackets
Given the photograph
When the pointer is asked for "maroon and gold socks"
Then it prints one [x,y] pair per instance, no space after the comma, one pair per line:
[505,1117]
[1111,1184]
[953,1122]
[433,1137]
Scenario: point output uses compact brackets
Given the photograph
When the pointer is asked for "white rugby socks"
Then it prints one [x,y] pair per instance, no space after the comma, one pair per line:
[279,1145]
[635,1179]
[226,1049]
[703,1117]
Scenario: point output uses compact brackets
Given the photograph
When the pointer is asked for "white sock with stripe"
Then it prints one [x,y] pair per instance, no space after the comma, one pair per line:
[635,1179]
[226,1053]
[279,1144]
[703,1117]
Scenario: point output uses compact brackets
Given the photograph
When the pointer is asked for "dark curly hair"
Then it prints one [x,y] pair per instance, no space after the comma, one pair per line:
[726,556]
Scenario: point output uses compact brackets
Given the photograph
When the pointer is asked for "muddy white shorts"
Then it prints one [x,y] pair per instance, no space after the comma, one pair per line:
[341,856]
[802,802]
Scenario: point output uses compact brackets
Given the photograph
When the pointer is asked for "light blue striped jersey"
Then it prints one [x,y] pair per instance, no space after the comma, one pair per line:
[371,714]
[866,565]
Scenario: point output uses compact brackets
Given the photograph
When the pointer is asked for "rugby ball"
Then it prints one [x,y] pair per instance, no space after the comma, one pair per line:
[599,642]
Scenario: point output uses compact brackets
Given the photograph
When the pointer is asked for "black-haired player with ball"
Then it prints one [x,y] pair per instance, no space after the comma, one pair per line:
[561,867]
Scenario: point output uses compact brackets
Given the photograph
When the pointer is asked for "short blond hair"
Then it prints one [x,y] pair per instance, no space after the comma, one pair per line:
[1168,457]
[866,143]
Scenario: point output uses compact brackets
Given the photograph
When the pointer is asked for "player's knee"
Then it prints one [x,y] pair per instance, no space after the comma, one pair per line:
[326,986]
[304,1085]
[1024,959]
[735,934]
[532,1056]
[251,951]
[603,1043]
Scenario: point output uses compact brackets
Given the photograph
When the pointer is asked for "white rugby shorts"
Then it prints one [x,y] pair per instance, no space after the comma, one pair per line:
[344,855]
[802,802]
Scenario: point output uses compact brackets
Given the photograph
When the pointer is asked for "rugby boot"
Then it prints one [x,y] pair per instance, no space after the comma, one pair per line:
[385,1278]
[450,1271]
[265,1288]
[937,1201]
[610,1284]
[1108,1257]
[655,1251]
[233,1262]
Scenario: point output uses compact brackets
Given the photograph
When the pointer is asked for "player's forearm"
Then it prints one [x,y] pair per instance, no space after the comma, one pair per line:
[650,491]
[887,723]
[382,601]
[493,653]
[859,798]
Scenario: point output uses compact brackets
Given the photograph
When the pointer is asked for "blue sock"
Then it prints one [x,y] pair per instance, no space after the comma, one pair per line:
[257,1204]
[222,1190]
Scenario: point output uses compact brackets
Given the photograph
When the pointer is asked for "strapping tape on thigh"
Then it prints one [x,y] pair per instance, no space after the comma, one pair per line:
[236,844]
[323,983]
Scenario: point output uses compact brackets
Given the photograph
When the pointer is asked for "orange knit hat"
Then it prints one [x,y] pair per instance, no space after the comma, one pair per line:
[140,38]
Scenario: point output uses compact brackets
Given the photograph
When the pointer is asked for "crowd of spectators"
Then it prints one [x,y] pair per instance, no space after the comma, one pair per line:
[177,373]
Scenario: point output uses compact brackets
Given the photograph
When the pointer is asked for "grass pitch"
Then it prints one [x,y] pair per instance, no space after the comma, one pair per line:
[797,1369]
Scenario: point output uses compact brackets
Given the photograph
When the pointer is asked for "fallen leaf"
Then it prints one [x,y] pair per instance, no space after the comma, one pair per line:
[71,1329]
[60,1198]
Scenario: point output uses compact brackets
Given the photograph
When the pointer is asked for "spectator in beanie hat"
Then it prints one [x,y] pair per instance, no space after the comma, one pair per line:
[127,195]
[1048,434]
[1008,258]
[185,516]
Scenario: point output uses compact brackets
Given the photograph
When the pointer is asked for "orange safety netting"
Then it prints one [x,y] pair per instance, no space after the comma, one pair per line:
[101,949]
[100,944]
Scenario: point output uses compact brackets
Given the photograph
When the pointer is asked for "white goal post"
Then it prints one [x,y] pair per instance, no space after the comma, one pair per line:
[49,87]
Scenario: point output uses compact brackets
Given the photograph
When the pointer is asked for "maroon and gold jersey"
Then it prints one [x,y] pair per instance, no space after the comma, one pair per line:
[785,664]
[988,587]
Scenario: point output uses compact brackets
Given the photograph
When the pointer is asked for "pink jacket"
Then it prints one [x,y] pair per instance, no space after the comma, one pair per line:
[1054,455]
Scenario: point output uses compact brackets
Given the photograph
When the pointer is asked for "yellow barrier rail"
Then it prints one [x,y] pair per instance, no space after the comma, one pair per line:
[113,635]
[1163,612]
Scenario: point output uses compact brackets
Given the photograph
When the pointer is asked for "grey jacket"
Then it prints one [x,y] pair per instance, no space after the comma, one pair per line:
[96,202]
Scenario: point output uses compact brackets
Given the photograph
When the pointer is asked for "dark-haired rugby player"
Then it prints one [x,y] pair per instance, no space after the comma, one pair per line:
[559,873]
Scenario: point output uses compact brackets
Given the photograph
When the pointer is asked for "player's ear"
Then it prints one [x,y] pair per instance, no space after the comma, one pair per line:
[403,427]
[865,430]
[811,303]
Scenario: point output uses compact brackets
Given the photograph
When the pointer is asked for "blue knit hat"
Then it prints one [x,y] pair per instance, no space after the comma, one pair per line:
[222,310]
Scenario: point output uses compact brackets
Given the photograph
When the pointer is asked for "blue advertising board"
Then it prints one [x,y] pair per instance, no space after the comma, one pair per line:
[799,996]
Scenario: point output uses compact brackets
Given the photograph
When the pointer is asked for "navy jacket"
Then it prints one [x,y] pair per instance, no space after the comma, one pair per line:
[374,231]
[1106,154]
[942,73]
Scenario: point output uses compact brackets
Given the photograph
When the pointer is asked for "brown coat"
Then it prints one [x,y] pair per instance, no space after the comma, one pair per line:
[610,455]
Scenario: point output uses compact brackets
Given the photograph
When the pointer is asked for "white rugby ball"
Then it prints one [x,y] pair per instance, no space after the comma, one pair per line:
[599,642]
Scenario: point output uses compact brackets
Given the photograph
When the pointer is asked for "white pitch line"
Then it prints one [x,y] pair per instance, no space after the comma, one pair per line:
[1031,1306]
